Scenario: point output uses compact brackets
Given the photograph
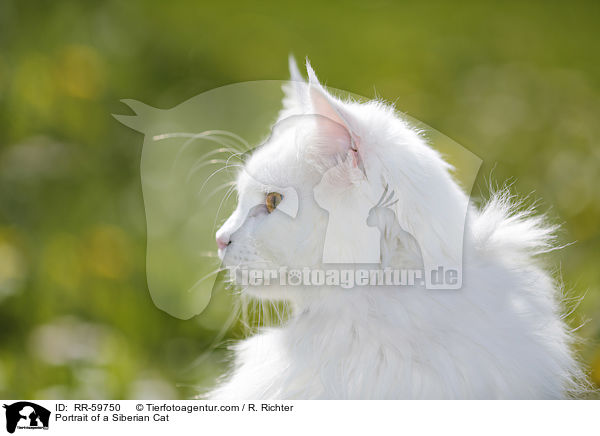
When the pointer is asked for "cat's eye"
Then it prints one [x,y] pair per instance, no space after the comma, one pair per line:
[272,200]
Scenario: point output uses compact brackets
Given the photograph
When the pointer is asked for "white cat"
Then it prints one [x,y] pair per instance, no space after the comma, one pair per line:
[500,336]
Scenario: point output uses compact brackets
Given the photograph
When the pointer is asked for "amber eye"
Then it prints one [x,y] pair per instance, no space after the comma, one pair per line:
[272,200]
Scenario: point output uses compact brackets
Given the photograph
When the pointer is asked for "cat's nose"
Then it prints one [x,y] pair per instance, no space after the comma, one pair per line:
[222,241]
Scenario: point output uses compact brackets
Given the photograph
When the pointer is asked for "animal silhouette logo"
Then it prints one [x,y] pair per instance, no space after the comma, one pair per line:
[26,415]
[192,154]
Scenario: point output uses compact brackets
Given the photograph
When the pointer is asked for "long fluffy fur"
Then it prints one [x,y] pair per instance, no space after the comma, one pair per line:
[501,336]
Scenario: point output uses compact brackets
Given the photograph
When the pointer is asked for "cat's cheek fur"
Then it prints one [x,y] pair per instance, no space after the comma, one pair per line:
[274,241]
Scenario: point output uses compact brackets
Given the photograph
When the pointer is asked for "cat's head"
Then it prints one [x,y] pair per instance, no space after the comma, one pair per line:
[330,158]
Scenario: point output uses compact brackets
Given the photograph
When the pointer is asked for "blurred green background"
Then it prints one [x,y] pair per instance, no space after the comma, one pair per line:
[518,84]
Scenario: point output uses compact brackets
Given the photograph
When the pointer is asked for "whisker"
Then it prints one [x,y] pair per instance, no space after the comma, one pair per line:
[232,183]
[201,134]
[234,152]
[210,135]
[240,156]
[215,173]
[210,274]
[229,146]
[201,165]
[223,200]
[219,151]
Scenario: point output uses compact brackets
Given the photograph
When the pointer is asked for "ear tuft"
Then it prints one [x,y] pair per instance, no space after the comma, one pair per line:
[295,75]
[312,77]
[334,123]
[323,103]
[295,100]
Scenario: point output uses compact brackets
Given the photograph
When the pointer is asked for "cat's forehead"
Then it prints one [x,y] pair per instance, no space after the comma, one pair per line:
[274,161]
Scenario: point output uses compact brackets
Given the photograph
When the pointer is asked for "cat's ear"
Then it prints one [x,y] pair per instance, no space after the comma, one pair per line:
[295,92]
[334,123]
[295,75]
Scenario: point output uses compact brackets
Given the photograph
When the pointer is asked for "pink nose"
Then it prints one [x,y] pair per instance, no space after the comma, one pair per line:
[222,242]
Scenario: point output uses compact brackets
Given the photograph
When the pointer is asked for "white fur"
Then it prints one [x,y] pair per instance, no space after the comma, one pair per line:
[500,336]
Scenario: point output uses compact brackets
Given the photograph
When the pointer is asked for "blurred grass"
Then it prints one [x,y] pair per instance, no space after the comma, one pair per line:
[518,84]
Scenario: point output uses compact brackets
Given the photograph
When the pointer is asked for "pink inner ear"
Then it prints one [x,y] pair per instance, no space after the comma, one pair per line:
[335,133]
[330,125]
[334,138]
[322,105]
